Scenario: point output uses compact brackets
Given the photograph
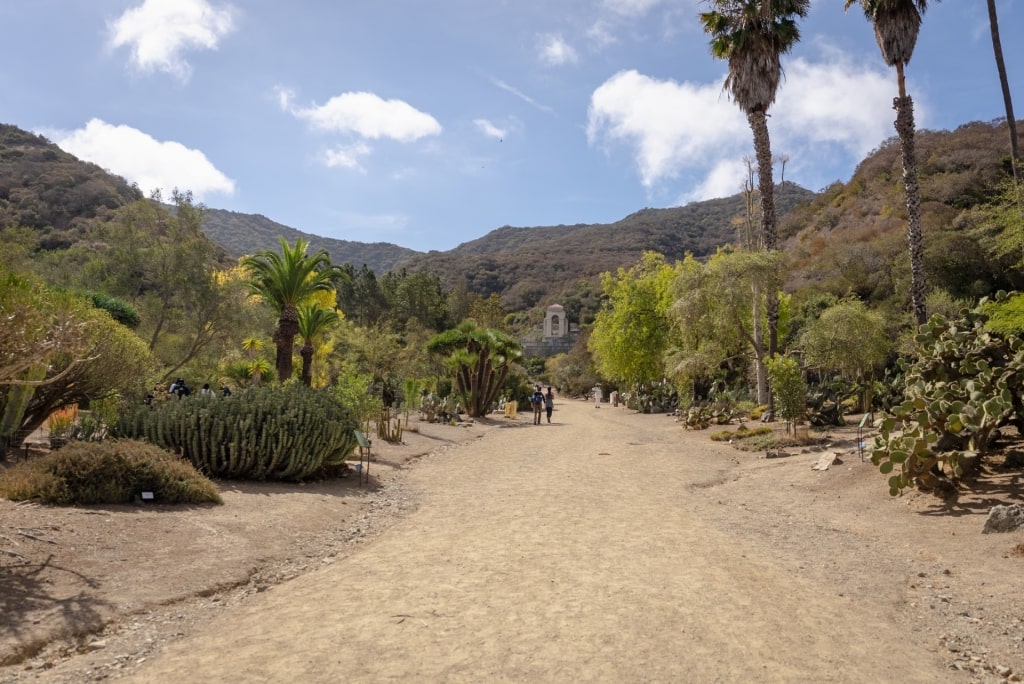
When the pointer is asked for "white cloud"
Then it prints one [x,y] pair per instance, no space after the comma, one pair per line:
[159,32]
[366,115]
[143,160]
[835,102]
[724,179]
[669,125]
[347,157]
[601,34]
[489,129]
[825,110]
[554,51]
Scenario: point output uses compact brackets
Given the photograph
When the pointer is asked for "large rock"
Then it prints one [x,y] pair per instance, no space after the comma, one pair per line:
[1004,519]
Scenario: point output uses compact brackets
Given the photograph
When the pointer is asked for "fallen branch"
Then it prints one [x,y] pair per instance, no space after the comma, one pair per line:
[40,539]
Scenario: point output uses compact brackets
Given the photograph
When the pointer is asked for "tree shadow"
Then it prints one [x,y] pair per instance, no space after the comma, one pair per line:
[992,486]
[25,590]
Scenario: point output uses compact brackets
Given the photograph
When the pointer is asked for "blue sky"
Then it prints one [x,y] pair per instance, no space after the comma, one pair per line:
[428,123]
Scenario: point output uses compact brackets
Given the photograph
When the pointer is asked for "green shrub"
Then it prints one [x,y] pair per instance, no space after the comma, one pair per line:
[109,472]
[280,433]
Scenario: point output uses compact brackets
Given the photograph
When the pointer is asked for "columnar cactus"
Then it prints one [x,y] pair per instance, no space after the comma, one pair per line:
[260,433]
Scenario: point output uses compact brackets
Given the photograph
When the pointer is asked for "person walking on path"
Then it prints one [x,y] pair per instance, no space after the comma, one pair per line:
[597,396]
[537,402]
[549,403]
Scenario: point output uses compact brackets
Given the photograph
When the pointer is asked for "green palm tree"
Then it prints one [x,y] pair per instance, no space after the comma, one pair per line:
[284,281]
[482,359]
[752,35]
[897,24]
[314,321]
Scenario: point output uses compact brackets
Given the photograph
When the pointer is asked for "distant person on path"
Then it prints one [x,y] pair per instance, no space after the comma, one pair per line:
[206,391]
[549,403]
[597,396]
[537,402]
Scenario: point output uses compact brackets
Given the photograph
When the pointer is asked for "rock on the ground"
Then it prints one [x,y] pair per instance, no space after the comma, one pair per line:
[1004,519]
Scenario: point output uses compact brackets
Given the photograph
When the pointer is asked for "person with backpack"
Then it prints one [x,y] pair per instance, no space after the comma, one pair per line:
[537,402]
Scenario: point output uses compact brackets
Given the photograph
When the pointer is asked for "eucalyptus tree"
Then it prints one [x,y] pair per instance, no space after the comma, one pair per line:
[897,24]
[314,322]
[284,281]
[752,35]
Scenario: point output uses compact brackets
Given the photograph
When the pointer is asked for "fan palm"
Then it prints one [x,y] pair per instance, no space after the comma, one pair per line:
[482,359]
[897,24]
[284,281]
[314,321]
[752,35]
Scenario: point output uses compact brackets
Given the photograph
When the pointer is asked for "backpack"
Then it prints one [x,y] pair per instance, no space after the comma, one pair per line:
[537,399]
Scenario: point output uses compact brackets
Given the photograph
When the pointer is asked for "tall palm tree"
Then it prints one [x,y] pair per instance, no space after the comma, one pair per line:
[314,321]
[752,35]
[284,281]
[997,47]
[897,24]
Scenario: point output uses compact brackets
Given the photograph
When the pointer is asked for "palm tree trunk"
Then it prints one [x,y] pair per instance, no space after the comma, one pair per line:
[769,232]
[307,364]
[904,107]
[284,339]
[997,47]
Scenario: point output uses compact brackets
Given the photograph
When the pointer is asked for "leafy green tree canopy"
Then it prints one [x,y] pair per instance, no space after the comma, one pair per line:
[633,330]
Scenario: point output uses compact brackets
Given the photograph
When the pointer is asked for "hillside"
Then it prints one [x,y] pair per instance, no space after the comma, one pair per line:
[247,233]
[46,189]
[849,238]
[852,237]
[526,265]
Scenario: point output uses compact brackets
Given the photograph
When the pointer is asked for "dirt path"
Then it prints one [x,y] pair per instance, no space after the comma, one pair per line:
[597,548]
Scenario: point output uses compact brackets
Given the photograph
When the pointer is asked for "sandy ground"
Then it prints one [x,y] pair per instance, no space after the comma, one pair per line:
[606,546]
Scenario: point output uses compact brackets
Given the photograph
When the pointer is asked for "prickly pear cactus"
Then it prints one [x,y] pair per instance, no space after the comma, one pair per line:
[964,382]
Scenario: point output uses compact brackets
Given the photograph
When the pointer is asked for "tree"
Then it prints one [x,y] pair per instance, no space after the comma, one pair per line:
[633,330]
[997,47]
[789,387]
[482,360]
[360,296]
[897,24]
[712,310]
[162,262]
[416,297]
[108,359]
[314,322]
[752,35]
[488,311]
[284,281]
[848,338]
